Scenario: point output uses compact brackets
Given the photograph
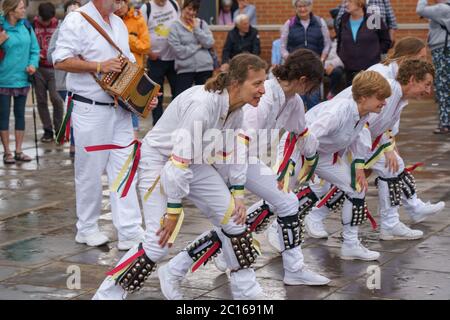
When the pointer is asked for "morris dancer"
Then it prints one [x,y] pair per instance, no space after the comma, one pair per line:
[169,172]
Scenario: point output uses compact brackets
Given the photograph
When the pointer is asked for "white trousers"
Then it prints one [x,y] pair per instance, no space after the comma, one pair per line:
[338,174]
[207,191]
[95,125]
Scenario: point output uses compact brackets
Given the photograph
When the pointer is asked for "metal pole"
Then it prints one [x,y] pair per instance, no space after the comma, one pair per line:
[33,100]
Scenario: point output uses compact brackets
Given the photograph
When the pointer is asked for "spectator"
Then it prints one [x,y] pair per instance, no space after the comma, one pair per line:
[242,38]
[276,58]
[45,25]
[248,9]
[360,47]
[439,43]
[191,41]
[138,38]
[159,16]
[334,68]
[305,30]
[19,59]
[225,13]
[60,76]
[383,7]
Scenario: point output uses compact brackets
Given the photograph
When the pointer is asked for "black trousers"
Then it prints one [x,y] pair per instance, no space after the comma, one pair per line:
[186,80]
[158,70]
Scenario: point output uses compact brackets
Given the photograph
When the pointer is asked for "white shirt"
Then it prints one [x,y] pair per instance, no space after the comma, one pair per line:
[77,37]
[159,23]
[389,72]
[191,114]
[337,125]
[389,116]
[274,111]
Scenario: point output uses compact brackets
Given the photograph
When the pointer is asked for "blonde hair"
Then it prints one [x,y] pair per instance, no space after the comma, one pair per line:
[405,48]
[416,68]
[370,83]
[10,5]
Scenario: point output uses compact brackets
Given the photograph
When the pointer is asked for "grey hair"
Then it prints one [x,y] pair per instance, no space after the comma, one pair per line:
[303,2]
[240,17]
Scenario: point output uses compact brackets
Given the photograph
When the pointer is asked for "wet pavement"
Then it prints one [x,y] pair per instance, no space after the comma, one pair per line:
[38,254]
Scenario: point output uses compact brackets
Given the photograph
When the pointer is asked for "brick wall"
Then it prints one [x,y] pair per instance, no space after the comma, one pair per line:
[276,12]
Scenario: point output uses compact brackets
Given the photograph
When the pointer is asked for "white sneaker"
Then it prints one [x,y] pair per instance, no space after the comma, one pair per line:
[358,252]
[170,284]
[220,262]
[272,236]
[426,210]
[315,229]
[93,240]
[304,276]
[400,232]
[128,244]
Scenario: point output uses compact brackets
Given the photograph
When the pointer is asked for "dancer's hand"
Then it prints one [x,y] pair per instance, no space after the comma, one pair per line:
[391,161]
[361,180]
[239,212]
[280,184]
[167,228]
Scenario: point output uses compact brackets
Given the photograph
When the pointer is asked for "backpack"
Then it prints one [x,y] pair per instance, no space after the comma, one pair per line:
[149,7]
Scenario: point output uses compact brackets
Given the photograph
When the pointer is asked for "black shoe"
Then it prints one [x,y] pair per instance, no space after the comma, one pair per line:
[47,137]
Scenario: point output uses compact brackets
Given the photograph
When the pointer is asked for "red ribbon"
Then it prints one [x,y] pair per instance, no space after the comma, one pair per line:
[126,262]
[258,220]
[134,166]
[206,256]
[287,152]
[413,167]
[372,220]
[335,157]
[376,142]
[327,197]
[303,193]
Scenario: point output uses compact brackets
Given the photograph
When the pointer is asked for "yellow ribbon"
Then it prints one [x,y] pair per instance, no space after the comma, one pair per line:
[149,192]
[115,185]
[177,228]
[226,217]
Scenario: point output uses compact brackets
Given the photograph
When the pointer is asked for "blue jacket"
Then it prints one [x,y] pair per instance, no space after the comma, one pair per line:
[311,38]
[21,50]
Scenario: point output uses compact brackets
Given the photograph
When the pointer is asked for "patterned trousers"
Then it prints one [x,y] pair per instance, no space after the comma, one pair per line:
[442,84]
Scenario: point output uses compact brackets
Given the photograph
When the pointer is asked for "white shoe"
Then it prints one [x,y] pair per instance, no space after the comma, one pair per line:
[170,284]
[128,244]
[93,240]
[400,232]
[357,251]
[220,262]
[304,276]
[426,210]
[315,229]
[272,236]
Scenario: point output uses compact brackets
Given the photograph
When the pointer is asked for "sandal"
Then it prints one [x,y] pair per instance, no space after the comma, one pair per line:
[441,130]
[8,158]
[22,157]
